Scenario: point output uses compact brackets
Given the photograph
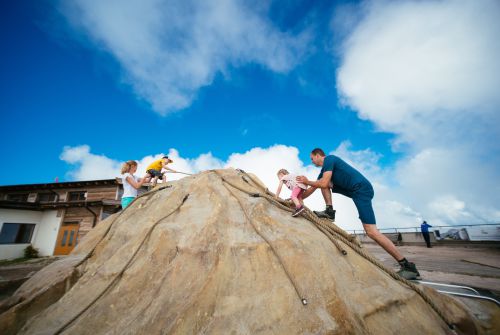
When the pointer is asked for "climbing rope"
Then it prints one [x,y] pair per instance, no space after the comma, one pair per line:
[122,271]
[273,248]
[91,252]
[286,206]
[333,232]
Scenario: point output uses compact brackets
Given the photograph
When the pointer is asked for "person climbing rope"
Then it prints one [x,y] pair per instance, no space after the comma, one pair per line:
[154,170]
[339,177]
[297,189]
[130,182]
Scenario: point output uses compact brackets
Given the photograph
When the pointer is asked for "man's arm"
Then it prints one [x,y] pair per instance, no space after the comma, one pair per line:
[324,182]
[308,192]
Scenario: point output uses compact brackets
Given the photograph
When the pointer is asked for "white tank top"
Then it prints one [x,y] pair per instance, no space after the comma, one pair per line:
[128,190]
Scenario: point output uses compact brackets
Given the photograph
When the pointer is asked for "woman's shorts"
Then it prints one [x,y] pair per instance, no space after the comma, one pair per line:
[126,201]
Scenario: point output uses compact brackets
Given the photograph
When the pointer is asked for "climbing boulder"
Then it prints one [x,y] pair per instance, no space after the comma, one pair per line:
[215,254]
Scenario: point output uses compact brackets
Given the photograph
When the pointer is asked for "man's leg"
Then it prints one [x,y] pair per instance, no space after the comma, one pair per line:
[382,240]
[328,213]
[367,216]
[408,270]
[327,195]
[427,239]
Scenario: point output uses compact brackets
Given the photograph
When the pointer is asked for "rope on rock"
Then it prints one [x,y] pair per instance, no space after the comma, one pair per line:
[299,292]
[122,271]
[335,231]
[91,252]
[332,231]
[285,205]
[289,209]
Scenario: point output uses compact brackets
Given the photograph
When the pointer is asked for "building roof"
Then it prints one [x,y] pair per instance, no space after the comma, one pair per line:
[38,206]
[52,186]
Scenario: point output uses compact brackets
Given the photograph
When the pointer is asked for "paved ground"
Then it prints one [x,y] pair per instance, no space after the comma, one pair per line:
[475,267]
[13,275]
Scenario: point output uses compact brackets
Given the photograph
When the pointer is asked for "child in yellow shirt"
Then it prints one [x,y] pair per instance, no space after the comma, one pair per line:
[154,170]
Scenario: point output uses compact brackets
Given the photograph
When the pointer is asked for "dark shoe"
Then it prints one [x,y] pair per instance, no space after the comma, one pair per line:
[409,271]
[298,211]
[326,214]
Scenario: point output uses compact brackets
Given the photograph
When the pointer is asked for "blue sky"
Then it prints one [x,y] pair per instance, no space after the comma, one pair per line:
[402,90]
[57,92]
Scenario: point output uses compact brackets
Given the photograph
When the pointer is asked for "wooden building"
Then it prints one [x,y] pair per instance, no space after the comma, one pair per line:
[53,217]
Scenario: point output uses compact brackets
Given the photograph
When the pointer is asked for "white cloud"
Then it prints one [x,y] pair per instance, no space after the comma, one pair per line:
[427,71]
[410,66]
[89,166]
[404,195]
[170,49]
[263,162]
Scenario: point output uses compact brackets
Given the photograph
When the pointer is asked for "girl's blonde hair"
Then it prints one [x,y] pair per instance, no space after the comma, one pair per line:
[127,166]
[283,171]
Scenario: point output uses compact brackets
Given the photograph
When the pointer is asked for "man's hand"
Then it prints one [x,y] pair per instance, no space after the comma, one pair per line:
[302,179]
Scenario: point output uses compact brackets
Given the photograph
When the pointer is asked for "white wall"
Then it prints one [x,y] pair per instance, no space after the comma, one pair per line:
[44,235]
[44,238]
[11,251]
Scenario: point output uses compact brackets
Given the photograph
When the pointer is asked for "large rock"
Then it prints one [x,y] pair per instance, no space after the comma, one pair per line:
[219,262]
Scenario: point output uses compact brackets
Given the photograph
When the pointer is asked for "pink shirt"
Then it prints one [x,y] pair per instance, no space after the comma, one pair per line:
[291,183]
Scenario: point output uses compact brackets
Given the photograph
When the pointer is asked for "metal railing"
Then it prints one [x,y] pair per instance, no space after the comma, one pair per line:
[455,290]
[395,230]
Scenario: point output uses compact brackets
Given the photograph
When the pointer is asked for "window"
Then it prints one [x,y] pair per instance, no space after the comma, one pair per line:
[16,233]
[46,197]
[20,197]
[71,235]
[77,196]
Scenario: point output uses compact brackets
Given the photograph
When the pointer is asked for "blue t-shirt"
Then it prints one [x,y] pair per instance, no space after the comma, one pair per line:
[346,180]
[424,227]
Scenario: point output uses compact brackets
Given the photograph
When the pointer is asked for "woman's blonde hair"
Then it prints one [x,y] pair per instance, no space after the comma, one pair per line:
[127,166]
[283,171]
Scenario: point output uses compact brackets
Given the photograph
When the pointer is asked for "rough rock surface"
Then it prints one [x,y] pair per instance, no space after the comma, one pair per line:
[200,265]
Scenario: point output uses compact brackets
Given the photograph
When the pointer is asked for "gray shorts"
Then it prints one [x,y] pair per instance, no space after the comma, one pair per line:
[155,173]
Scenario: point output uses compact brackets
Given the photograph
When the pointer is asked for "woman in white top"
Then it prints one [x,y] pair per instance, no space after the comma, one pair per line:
[130,182]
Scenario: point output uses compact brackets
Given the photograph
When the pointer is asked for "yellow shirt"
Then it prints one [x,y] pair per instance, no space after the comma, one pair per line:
[156,165]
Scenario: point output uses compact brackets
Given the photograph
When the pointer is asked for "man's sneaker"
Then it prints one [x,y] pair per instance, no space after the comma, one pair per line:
[298,211]
[409,272]
[328,213]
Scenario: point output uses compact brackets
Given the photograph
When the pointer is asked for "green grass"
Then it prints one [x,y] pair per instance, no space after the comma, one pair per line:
[14,261]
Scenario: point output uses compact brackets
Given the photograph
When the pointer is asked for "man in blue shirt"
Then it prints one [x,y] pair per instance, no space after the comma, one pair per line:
[339,177]
[424,227]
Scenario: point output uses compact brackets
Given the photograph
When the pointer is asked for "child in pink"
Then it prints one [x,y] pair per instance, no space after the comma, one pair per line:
[297,189]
